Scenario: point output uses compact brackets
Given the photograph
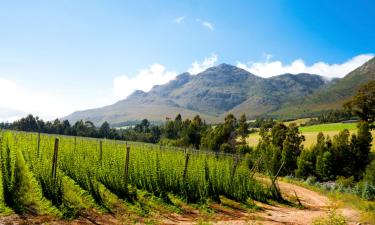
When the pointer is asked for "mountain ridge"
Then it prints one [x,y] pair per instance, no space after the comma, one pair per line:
[226,89]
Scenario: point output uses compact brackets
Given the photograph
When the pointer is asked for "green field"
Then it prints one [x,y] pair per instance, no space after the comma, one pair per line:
[329,127]
[63,175]
[311,132]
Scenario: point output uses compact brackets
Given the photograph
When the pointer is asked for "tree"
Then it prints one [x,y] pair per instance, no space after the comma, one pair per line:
[222,134]
[28,123]
[305,164]
[360,147]
[278,134]
[243,128]
[104,130]
[363,103]
[66,127]
[292,147]
[324,166]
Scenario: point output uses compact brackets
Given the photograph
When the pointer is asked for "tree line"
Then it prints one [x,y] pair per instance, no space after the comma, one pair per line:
[344,157]
[192,133]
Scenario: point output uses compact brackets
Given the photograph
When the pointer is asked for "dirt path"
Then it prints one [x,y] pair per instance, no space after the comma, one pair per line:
[314,205]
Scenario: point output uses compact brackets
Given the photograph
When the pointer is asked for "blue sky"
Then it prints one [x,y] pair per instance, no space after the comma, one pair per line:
[61,56]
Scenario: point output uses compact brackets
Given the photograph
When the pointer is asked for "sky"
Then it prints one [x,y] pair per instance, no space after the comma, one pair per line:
[57,57]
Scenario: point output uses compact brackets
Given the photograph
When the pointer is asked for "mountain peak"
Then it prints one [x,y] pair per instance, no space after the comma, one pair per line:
[137,93]
[224,66]
[226,89]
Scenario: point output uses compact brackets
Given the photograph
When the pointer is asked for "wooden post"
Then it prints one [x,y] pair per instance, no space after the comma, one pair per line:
[54,160]
[37,152]
[100,151]
[274,182]
[126,175]
[234,168]
[186,165]
[206,170]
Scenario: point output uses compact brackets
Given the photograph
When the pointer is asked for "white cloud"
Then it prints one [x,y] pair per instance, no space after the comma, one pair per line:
[205,24]
[16,102]
[208,62]
[208,25]
[270,68]
[156,74]
[179,19]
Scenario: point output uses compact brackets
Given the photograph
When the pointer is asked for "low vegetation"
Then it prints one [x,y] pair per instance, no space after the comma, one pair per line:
[39,172]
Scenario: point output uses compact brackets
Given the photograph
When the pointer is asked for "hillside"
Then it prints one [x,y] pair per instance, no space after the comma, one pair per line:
[333,96]
[228,89]
[210,94]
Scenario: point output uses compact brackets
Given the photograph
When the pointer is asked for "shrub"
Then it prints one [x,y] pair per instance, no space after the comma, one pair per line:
[332,218]
[370,173]
[344,182]
[368,191]
[311,180]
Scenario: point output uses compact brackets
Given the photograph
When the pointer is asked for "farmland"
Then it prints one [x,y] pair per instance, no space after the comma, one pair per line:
[61,175]
[311,132]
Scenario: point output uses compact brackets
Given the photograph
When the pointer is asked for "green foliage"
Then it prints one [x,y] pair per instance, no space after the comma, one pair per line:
[363,103]
[279,147]
[332,218]
[243,128]
[222,137]
[331,116]
[305,163]
[329,127]
[324,167]
[344,156]
[292,146]
[370,173]
[86,166]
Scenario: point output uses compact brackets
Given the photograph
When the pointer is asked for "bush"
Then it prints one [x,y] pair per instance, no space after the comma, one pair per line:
[227,148]
[370,173]
[332,218]
[368,191]
[311,180]
[244,149]
[344,182]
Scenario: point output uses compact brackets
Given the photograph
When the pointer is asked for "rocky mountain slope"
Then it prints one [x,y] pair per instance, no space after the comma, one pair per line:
[226,89]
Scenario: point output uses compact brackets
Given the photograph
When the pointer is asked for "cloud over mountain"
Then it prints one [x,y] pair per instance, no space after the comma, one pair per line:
[198,67]
[146,78]
[270,68]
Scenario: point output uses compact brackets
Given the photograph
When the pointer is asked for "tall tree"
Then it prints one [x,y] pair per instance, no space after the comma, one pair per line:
[363,103]
[104,130]
[243,128]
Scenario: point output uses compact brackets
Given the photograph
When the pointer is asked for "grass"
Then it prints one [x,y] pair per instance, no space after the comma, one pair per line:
[329,127]
[311,132]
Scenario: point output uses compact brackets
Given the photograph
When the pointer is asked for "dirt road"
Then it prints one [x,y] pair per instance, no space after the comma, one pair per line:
[314,205]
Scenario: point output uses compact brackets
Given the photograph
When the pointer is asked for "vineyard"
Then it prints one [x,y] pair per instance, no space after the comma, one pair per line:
[61,175]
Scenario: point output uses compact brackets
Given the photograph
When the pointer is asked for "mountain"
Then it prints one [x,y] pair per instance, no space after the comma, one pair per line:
[333,96]
[226,89]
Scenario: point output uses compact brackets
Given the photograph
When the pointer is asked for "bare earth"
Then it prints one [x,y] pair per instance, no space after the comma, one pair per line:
[314,205]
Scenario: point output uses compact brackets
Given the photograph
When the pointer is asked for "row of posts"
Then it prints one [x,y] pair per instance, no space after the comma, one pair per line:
[127,159]
[55,156]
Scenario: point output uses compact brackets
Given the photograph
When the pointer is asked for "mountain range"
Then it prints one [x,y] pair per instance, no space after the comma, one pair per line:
[224,89]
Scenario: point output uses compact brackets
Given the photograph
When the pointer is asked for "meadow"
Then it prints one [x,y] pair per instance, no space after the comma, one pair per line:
[311,132]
